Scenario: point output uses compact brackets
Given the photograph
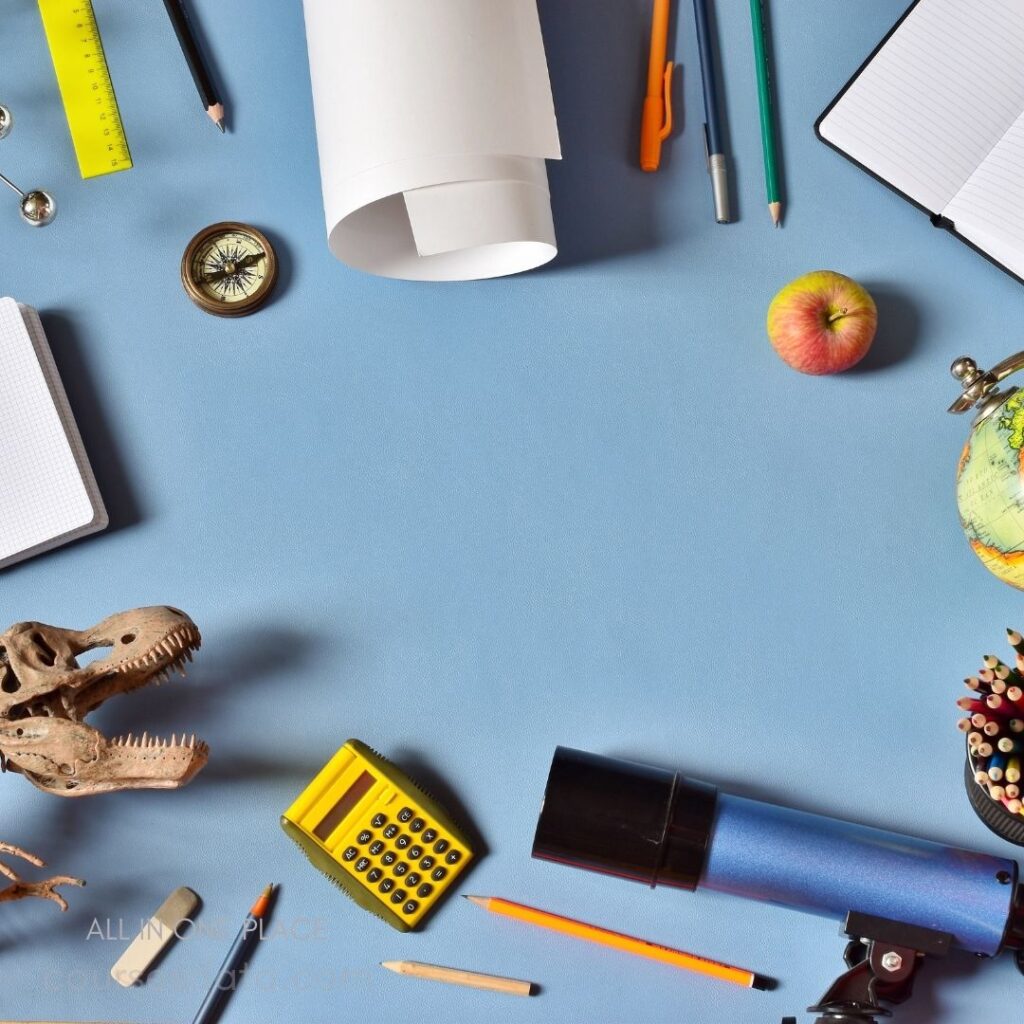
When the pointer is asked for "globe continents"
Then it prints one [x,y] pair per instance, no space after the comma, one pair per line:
[990,491]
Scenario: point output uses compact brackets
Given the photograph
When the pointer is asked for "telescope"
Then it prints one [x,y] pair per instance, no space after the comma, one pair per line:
[899,899]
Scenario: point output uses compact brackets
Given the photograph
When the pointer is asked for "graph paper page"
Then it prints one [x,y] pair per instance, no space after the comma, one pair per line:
[43,495]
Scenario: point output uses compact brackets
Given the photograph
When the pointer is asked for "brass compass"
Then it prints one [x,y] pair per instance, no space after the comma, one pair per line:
[229,269]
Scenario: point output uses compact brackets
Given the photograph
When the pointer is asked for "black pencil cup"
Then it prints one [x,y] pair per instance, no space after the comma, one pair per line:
[995,816]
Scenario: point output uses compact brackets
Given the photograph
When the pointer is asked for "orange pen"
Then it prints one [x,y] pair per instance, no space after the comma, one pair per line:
[623,943]
[656,124]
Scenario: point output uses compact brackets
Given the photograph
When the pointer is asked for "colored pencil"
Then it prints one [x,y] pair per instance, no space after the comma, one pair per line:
[1016,640]
[766,104]
[196,63]
[226,979]
[623,943]
[470,979]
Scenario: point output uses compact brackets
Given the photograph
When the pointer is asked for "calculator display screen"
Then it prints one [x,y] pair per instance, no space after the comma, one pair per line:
[333,818]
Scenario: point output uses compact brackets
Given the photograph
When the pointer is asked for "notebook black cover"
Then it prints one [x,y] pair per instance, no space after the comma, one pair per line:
[937,219]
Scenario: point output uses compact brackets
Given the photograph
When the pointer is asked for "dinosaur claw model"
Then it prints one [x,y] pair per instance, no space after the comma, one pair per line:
[45,696]
[19,889]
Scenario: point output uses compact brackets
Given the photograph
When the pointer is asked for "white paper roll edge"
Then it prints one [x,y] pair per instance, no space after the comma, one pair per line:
[445,219]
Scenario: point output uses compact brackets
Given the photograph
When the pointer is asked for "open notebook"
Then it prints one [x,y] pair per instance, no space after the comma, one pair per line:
[937,113]
[48,495]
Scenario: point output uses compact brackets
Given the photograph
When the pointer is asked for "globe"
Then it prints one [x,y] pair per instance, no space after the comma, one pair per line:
[990,491]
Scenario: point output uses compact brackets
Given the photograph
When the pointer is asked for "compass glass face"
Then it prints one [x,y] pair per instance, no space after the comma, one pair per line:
[230,268]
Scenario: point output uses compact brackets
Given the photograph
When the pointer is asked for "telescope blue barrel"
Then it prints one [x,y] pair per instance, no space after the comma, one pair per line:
[828,867]
[660,828]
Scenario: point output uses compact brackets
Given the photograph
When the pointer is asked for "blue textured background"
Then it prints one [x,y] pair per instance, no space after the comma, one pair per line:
[467,523]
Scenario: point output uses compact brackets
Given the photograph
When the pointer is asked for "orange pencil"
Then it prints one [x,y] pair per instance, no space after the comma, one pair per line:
[656,123]
[623,943]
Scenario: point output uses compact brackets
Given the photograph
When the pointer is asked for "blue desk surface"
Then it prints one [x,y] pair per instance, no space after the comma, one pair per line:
[469,522]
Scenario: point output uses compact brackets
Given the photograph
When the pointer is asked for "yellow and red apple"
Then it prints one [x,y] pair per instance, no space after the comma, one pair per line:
[823,322]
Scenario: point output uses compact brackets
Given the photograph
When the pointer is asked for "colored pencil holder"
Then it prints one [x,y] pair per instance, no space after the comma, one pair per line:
[994,815]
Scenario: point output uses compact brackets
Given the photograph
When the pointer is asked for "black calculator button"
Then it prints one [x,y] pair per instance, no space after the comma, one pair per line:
[441,845]
[416,825]
[376,847]
[379,820]
[391,831]
[424,890]
[402,842]
[413,880]
[453,857]
[415,852]
[398,895]
[364,837]
[400,869]
[386,886]
[438,874]
[430,835]
[405,814]
[375,875]
[362,864]
[411,907]
[351,853]
[388,858]
[427,863]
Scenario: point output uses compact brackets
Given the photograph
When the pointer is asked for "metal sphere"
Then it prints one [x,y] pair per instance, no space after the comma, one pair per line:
[6,122]
[38,208]
[964,368]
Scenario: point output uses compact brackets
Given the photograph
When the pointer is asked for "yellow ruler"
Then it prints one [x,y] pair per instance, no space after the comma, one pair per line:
[85,87]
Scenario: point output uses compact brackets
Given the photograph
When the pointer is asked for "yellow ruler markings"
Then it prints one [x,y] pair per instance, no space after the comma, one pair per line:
[85,87]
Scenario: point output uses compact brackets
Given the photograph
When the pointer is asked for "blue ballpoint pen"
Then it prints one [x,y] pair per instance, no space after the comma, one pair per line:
[714,136]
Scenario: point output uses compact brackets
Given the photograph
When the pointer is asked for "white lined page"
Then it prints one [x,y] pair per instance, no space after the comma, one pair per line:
[937,98]
[989,209]
[44,496]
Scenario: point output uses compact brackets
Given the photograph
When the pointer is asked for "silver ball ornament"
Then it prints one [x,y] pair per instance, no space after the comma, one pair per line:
[6,122]
[964,369]
[38,208]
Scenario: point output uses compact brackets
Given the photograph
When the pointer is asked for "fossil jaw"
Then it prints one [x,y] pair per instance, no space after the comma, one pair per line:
[45,696]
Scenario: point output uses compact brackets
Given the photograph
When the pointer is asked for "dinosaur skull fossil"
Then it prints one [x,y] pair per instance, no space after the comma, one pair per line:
[45,696]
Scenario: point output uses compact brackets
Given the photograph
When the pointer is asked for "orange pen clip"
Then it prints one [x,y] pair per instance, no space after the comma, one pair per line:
[656,122]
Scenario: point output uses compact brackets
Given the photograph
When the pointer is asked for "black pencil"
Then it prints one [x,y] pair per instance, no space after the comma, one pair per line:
[190,48]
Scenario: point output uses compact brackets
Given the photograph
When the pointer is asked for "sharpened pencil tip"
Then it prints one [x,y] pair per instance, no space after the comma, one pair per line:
[775,209]
[220,125]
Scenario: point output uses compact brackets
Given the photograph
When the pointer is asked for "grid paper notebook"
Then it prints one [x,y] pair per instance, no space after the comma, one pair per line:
[48,495]
[937,113]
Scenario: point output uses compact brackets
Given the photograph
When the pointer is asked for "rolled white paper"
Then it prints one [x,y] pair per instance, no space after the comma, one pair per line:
[433,121]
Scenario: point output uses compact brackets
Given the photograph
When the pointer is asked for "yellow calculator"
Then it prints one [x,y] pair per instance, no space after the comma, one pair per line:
[370,828]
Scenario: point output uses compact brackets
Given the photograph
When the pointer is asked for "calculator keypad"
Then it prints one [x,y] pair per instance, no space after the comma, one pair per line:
[402,857]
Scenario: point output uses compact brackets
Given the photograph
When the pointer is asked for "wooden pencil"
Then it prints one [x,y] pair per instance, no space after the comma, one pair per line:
[623,943]
[1016,640]
[196,63]
[454,976]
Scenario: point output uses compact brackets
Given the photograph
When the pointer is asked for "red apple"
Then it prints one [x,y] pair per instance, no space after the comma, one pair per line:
[823,322]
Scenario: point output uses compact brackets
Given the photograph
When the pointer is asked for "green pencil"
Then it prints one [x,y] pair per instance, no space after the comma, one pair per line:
[764,96]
